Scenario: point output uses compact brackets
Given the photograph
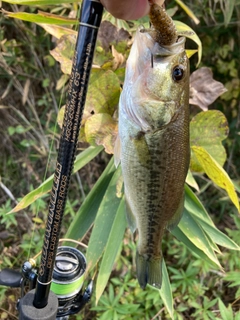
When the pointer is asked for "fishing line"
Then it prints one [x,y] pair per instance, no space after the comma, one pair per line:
[63,92]
[64,240]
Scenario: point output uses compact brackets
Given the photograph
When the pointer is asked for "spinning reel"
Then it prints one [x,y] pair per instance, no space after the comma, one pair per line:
[67,281]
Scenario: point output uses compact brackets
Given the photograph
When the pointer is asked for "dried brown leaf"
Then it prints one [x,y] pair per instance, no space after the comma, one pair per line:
[109,34]
[204,90]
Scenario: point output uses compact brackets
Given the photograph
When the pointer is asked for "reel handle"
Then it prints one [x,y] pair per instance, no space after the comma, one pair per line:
[10,278]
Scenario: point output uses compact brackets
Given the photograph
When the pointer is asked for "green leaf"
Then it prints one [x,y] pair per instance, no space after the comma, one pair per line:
[196,235]
[188,11]
[192,247]
[227,7]
[226,313]
[103,93]
[89,208]
[103,222]
[234,277]
[41,17]
[216,173]
[188,32]
[215,234]
[166,291]
[40,2]
[63,52]
[81,160]
[208,130]
[111,250]
[193,205]
[101,129]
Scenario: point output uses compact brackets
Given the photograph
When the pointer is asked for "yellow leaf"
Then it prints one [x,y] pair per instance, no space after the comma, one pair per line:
[101,129]
[191,52]
[191,181]
[37,220]
[188,11]
[186,31]
[61,116]
[216,173]
[64,51]
[208,130]
[56,30]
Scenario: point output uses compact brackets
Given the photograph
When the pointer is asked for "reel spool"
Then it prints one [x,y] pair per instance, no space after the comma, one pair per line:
[66,287]
[68,276]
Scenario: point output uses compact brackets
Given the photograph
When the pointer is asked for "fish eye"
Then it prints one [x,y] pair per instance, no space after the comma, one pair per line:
[178,73]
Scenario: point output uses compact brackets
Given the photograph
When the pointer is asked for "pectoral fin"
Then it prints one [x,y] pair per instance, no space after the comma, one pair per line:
[130,217]
[177,216]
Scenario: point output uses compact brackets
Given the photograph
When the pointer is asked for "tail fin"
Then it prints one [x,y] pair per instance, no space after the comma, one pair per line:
[149,270]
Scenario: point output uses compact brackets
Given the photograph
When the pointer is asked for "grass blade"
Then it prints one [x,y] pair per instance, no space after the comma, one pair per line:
[88,210]
[193,205]
[81,160]
[111,250]
[166,291]
[196,235]
[103,223]
[188,11]
[177,232]
[215,234]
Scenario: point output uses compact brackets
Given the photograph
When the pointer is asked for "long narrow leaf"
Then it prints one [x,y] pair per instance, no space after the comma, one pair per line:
[215,234]
[188,11]
[177,232]
[184,29]
[81,160]
[88,210]
[40,2]
[41,17]
[196,235]
[166,291]
[227,9]
[103,222]
[193,205]
[111,250]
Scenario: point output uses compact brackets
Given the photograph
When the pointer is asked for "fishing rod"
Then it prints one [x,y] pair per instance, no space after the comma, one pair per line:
[56,283]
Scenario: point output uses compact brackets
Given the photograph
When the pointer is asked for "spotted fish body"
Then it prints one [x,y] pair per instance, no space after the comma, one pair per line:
[154,145]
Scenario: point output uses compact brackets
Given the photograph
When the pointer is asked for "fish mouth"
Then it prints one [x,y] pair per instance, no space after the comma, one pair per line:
[169,50]
[163,50]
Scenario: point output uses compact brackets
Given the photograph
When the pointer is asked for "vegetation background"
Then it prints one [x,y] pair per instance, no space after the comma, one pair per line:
[31,91]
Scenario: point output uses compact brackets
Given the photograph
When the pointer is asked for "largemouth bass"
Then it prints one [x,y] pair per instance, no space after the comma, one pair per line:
[154,143]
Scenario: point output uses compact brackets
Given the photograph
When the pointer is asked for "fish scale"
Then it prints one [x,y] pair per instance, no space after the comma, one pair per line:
[154,145]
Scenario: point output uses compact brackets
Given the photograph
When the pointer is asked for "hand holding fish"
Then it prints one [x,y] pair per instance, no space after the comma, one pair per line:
[129,10]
